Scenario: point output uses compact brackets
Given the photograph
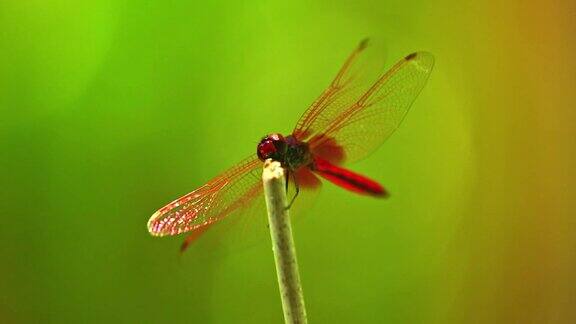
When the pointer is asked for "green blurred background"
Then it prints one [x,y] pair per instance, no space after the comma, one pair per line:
[110,109]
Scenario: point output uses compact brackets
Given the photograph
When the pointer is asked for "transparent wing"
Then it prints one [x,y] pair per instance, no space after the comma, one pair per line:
[248,227]
[373,116]
[353,117]
[233,190]
[339,95]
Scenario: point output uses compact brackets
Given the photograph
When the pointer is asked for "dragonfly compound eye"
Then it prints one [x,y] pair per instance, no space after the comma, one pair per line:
[272,147]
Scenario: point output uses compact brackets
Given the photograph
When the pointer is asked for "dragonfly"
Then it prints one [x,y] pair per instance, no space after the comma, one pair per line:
[347,122]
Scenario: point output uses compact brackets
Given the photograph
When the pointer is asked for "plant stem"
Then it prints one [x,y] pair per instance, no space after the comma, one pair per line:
[274,181]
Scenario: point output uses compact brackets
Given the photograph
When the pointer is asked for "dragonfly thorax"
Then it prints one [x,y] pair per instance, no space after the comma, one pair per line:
[289,151]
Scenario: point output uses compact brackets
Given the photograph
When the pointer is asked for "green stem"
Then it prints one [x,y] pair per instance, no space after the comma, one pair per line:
[274,181]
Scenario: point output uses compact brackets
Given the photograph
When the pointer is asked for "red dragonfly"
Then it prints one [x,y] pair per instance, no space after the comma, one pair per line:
[346,123]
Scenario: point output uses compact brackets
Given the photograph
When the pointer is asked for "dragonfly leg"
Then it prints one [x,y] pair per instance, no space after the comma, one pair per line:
[293,174]
[288,173]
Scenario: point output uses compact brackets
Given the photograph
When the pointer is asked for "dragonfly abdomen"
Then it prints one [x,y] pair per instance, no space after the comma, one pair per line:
[347,179]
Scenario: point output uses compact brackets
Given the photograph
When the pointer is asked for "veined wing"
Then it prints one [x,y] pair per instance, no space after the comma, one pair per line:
[337,97]
[376,114]
[232,191]
[352,118]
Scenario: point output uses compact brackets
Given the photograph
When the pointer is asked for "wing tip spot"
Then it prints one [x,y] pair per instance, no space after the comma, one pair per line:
[363,43]
[411,56]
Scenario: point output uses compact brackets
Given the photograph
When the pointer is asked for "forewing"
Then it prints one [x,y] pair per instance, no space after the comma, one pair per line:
[374,115]
[232,191]
[340,94]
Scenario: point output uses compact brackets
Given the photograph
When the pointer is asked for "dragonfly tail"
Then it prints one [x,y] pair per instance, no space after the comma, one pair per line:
[347,179]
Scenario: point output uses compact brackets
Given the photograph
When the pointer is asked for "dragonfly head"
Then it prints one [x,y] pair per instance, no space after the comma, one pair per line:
[273,147]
